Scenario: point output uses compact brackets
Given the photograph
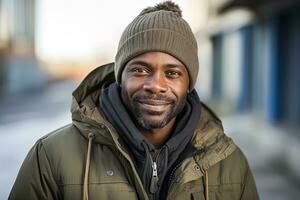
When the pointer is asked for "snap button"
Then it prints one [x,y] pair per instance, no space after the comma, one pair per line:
[102,126]
[196,167]
[110,172]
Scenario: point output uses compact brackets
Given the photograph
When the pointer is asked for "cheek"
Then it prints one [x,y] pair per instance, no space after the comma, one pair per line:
[180,88]
[129,88]
[124,95]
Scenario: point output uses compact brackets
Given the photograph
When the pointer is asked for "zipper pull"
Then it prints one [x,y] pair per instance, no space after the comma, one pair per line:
[154,179]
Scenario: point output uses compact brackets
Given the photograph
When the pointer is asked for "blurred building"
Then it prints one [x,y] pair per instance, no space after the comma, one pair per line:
[254,56]
[19,68]
[250,49]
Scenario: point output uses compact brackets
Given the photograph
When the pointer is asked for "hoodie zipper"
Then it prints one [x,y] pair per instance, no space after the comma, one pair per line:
[154,179]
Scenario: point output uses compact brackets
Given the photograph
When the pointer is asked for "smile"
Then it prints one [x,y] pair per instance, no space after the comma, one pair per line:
[157,106]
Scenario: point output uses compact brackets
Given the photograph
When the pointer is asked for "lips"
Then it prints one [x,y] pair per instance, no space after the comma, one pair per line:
[154,106]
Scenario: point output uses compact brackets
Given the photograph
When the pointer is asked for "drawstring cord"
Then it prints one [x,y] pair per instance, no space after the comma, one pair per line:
[206,185]
[87,168]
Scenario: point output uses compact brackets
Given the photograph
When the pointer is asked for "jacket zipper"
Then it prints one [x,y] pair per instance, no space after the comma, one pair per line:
[170,181]
[173,174]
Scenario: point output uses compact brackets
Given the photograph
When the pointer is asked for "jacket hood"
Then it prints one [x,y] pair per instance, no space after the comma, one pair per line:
[208,137]
[85,115]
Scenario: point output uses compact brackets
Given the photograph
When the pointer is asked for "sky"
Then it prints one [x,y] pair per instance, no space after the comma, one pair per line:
[85,29]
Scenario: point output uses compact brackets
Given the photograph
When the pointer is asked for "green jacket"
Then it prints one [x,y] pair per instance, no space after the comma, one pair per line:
[85,160]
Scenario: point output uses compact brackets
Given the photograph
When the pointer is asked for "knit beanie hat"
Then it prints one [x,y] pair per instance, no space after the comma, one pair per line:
[159,28]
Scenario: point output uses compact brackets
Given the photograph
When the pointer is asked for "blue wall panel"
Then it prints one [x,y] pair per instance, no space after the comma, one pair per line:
[275,89]
[217,67]
[244,101]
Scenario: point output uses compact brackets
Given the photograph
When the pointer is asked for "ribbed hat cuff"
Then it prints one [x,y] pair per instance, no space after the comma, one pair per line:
[163,40]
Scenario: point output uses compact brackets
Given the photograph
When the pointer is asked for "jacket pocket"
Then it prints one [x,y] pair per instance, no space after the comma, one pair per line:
[195,190]
[114,191]
[105,191]
[197,196]
[220,192]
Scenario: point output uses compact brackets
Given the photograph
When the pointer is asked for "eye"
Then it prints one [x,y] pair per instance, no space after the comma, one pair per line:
[139,70]
[173,74]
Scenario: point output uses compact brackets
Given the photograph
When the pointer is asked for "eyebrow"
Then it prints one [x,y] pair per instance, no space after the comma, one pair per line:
[170,65]
[175,66]
[137,62]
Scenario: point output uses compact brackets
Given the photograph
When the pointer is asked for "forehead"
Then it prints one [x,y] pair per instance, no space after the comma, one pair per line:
[157,58]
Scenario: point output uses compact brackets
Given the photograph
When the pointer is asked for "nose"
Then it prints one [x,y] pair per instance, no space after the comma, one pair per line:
[156,83]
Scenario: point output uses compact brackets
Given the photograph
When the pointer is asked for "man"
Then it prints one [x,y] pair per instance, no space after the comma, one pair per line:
[139,130]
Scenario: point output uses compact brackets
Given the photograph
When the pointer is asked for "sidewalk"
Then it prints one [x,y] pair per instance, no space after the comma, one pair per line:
[24,119]
[272,152]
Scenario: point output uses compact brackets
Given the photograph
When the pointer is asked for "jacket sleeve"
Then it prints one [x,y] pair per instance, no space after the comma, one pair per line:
[35,179]
[249,188]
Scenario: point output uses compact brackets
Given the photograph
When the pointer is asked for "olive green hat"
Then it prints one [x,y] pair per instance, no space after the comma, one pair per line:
[159,28]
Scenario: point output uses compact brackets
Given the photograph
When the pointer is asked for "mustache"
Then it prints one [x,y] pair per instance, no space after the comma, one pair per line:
[155,97]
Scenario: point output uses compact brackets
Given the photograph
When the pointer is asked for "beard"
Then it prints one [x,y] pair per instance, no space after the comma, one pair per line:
[174,107]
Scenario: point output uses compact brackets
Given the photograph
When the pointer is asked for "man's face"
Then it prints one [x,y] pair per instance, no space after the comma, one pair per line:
[154,88]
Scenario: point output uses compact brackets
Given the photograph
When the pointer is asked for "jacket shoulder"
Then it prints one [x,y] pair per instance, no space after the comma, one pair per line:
[61,139]
[64,149]
[39,176]
[232,169]
[61,133]
[237,156]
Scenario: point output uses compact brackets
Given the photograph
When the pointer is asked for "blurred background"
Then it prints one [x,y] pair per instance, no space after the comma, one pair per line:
[249,74]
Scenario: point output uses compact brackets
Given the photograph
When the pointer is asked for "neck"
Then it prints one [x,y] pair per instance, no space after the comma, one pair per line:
[159,136]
